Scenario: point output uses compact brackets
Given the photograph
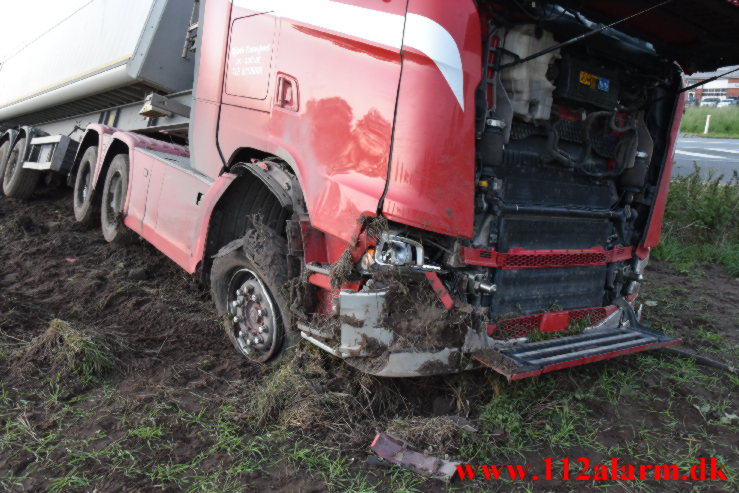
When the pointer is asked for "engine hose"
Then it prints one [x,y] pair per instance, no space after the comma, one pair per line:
[553,151]
[586,162]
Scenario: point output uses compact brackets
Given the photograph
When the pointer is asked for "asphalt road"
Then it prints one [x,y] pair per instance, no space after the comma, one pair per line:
[719,155]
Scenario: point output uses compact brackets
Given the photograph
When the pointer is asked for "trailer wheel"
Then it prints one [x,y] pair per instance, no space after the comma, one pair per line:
[19,183]
[114,197]
[86,208]
[247,278]
[4,149]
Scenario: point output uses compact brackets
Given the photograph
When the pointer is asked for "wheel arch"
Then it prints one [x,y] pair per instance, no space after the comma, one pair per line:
[264,185]
[26,132]
[91,137]
[9,136]
[117,146]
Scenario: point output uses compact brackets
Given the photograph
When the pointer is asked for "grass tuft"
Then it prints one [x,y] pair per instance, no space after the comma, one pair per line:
[438,435]
[702,222]
[71,351]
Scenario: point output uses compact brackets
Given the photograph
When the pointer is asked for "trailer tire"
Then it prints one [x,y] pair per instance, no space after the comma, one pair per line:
[19,183]
[4,150]
[86,208]
[255,265]
[114,197]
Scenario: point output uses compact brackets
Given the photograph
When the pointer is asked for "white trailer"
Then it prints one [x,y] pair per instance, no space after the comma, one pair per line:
[102,64]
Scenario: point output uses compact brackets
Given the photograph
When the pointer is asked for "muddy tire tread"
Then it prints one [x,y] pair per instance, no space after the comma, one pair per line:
[88,212]
[23,182]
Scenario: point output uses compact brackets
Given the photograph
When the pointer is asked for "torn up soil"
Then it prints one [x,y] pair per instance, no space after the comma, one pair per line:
[415,314]
[182,411]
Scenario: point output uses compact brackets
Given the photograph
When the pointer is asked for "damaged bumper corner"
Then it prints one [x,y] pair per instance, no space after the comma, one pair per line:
[372,348]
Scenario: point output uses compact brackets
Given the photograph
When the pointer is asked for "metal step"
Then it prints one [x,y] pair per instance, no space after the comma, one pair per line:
[532,359]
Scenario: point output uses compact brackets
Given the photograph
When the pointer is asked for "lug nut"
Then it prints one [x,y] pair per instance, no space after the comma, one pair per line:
[262,329]
[255,297]
[236,320]
[241,334]
[262,312]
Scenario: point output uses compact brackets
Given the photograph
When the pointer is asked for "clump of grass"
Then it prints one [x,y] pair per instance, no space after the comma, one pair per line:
[70,351]
[701,221]
[438,435]
[292,396]
[724,122]
[277,392]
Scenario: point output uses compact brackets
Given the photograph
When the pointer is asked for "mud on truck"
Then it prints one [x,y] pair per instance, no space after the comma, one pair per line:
[414,186]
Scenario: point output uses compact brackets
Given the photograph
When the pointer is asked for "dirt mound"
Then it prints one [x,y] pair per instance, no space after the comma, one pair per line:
[67,352]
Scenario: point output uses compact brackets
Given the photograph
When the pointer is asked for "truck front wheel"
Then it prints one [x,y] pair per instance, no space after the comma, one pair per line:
[19,183]
[247,280]
[114,197]
[86,209]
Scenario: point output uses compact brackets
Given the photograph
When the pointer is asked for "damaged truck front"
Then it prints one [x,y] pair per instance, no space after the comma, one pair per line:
[528,176]
[415,186]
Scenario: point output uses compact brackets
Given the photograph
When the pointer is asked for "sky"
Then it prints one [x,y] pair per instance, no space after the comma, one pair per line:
[23,21]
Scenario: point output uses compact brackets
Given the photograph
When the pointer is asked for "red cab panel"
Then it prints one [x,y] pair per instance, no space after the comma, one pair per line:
[433,162]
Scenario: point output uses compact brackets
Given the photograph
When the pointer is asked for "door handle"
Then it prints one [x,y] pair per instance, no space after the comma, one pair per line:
[287,93]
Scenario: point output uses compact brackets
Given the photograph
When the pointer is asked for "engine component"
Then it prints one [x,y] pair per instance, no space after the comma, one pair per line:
[634,177]
[588,83]
[530,90]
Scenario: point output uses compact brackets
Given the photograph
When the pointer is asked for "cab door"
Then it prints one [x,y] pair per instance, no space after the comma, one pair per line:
[315,82]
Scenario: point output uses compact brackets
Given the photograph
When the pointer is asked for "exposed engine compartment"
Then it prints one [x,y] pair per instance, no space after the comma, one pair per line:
[571,144]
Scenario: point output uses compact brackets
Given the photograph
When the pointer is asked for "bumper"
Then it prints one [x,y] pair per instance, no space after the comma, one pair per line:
[367,344]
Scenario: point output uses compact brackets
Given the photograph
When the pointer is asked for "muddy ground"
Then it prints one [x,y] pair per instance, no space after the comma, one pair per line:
[179,410]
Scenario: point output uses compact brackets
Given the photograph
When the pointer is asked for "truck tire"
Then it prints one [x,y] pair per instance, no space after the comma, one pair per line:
[86,208]
[19,183]
[4,150]
[114,197]
[247,279]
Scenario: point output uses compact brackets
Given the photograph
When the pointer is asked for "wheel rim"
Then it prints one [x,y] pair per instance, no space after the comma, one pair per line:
[114,199]
[252,311]
[86,182]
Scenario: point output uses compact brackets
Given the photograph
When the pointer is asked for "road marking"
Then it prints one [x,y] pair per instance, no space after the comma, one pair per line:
[723,150]
[698,154]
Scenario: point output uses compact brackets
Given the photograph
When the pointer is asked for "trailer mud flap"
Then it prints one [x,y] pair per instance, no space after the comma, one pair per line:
[532,359]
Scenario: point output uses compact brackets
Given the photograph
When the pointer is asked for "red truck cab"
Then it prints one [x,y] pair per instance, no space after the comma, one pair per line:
[438,188]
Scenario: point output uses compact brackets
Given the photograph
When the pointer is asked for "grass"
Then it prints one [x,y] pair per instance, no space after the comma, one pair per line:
[69,350]
[557,416]
[702,222]
[724,122]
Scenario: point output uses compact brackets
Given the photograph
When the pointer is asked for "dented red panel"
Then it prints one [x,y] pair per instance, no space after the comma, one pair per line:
[345,61]
[433,162]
